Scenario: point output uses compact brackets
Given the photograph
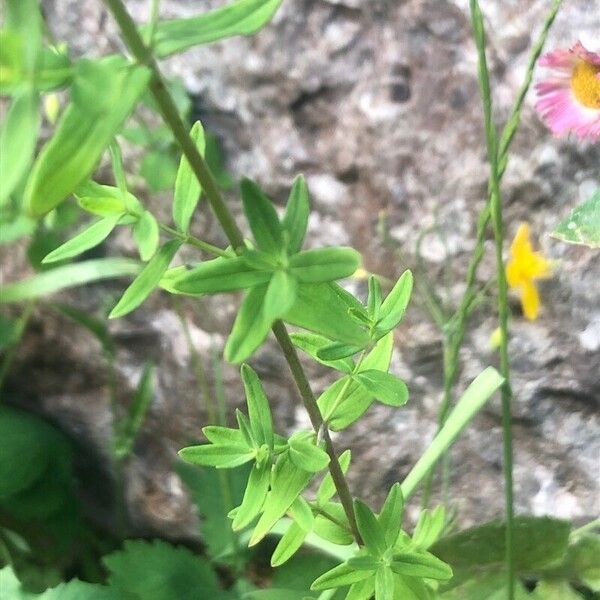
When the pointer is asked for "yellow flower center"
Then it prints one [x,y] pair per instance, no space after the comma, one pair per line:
[585,84]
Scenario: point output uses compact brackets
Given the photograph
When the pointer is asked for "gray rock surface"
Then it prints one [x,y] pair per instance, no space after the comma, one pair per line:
[376,101]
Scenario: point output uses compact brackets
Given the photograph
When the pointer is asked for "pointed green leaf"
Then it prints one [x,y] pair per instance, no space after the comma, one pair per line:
[337,532]
[323,309]
[85,129]
[254,496]
[369,528]
[281,295]
[245,429]
[420,564]
[106,200]
[582,226]
[288,545]
[327,488]
[390,517]
[363,590]
[259,410]
[143,285]
[68,276]
[243,17]
[221,275]
[393,307]
[209,455]
[305,455]
[429,527]
[385,387]
[384,584]
[250,327]
[295,219]
[311,343]
[88,238]
[287,483]
[374,298]
[187,187]
[364,563]
[338,351]
[146,235]
[224,436]
[301,513]
[324,264]
[339,576]
[262,218]
[475,396]
[17,140]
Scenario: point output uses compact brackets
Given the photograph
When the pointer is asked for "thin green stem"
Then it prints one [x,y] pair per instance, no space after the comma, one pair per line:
[503,310]
[171,116]
[342,392]
[194,241]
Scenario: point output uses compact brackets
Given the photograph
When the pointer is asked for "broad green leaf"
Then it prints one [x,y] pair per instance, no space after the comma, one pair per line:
[420,564]
[243,17]
[393,307]
[221,275]
[337,351]
[327,487]
[259,411]
[143,285]
[280,296]
[262,218]
[311,343]
[88,238]
[250,327]
[223,435]
[288,545]
[17,140]
[68,276]
[385,387]
[324,264]
[85,129]
[384,584]
[339,576]
[146,235]
[187,187]
[305,455]
[301,513]
[538,542]
[106,200]
[357,399]
[369,528]
[473,399]
[582,226]
[429,527]
[374,298]
[287,483]
[295,219]
[254,496]
[219,456]
[323,309]
[390,517]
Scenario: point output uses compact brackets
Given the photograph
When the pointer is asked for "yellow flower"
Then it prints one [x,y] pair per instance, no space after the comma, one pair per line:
[523,268]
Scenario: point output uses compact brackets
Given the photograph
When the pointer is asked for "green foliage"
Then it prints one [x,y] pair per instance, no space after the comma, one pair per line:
[582,226]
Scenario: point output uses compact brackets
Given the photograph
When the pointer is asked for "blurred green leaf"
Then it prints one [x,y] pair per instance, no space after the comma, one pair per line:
[582,226]
[243,17]
[159,169]
[146,235]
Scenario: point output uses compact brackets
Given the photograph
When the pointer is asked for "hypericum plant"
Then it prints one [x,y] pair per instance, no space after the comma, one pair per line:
[283,285]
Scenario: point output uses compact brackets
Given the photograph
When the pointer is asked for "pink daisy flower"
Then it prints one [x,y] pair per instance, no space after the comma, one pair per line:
[569,99]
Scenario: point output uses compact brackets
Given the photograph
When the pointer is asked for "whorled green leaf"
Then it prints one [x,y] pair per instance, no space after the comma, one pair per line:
[17,140]
[301,513]
[259,411]
[187,187]
[250,327]
[429,527]
[339,576]
[217,455]
[306,455]
[68,276]
[390,516]
[370,529]
[143,285]
[87,239]
[384,387]
[393,307]
[311,343]
[106,200]
[326,489]
[295,219]
[337,532]
[85,129]
[221,275]
[420,564]
[337,351]
[288,545]
[280,296]
[262,218]
[374,298]
[384,583]
[582,226]
[146,235]
[324,264]
[223,435]
[243,17]
[254,496]
[287,482]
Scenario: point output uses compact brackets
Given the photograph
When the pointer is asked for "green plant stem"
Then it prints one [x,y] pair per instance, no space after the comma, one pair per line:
[455,328]
[171,116]
[321,511]
[503,310]
[194,241]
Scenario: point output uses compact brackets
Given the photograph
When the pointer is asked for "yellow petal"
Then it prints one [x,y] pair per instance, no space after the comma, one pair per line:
[521,246]
[530,300]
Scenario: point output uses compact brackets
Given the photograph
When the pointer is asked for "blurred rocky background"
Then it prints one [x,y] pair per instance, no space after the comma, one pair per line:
[376,101]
